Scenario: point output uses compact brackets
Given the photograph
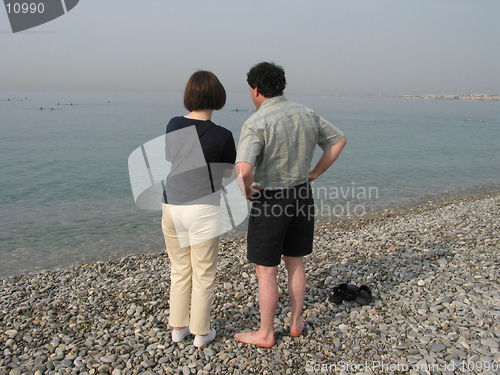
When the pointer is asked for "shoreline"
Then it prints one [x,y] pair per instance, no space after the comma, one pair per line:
[431,269]
[422,204]
[373,212]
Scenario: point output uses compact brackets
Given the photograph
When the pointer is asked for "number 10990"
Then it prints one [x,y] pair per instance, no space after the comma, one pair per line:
[25,7]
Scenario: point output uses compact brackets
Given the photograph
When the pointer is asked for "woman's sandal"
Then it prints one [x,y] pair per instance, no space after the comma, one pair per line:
[203,340]
[179,334]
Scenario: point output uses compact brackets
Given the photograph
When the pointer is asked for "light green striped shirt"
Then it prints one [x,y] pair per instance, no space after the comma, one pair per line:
[279,141]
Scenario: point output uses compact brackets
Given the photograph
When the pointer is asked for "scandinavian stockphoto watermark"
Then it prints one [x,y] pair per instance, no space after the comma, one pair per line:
[331,201]
[26,14]
[339,201]
[391,367]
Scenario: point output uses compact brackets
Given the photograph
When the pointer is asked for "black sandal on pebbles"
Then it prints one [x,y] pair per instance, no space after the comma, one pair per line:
[338,294]
[351,293]
[364,295]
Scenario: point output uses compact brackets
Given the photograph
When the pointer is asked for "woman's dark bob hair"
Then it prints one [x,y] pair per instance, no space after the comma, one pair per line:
[269,79]
[204,91]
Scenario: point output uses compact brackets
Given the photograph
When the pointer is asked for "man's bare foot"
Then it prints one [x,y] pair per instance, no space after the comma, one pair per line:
[296,329]
[255,338]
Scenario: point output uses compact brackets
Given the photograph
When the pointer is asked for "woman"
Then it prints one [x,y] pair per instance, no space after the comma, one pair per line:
[201,154]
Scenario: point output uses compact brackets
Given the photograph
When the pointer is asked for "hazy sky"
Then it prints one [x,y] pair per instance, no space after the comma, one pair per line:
[351,47]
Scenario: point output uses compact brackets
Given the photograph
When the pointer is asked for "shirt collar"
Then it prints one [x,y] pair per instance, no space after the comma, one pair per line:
[272,101]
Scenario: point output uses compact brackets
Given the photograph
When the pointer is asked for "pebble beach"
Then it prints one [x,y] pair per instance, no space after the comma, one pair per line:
[432,269]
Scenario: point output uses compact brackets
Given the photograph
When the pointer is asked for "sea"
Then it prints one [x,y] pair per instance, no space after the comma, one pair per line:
[66,195]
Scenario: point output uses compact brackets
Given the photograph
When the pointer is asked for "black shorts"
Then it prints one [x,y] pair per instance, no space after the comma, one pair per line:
[281,223]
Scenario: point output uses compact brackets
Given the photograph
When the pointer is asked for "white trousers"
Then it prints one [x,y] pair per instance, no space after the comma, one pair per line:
[192,238]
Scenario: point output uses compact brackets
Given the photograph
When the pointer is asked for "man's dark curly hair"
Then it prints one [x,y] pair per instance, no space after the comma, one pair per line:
[269,79]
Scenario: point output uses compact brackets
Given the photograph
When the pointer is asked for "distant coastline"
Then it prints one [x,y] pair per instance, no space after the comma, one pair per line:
[476,97]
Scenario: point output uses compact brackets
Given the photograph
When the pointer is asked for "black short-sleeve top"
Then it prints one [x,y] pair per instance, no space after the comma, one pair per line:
[194,181]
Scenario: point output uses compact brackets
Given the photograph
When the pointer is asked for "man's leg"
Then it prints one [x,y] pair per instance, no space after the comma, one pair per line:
[268,302]
[296,290]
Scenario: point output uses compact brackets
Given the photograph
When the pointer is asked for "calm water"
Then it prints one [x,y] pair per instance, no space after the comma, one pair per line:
[65,194]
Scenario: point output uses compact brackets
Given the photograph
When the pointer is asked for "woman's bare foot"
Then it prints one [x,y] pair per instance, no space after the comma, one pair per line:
[256,338]
[296,329]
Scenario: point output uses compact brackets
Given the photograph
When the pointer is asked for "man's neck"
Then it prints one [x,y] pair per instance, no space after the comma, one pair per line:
[265,99]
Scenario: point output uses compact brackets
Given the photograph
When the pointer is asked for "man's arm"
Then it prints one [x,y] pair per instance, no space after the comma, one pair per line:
[244,176]
[327,159]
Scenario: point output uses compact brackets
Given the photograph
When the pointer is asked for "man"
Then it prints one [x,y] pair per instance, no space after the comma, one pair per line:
[274,156]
